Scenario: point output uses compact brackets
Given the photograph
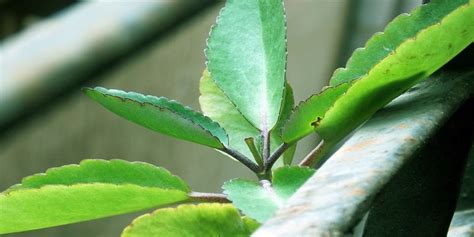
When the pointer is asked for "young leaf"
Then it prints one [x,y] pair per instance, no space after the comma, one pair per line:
[396,33]
[247,57]
[161,115]
[311,111]
[412,61]
[215,104]
[261,200]
[91,190]
[192,221]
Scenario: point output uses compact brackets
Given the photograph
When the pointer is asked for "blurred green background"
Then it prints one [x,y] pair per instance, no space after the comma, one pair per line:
[69,127]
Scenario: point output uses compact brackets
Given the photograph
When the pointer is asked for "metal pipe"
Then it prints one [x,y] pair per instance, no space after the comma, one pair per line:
[340,193]
[61,51]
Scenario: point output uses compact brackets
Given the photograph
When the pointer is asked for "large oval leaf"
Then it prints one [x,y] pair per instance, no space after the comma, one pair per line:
[396,33]
[192,221]
[161,115]
[247,57]
[91,190]
[412,61]
[261,200]
[411,48]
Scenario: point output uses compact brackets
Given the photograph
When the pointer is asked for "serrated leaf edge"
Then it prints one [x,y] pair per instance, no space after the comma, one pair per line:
[17,187]
[194,112]
[376,36]
[411,39]
[284,70]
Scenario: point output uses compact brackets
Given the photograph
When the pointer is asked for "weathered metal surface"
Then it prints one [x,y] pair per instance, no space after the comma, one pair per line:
[421,198]
[462,224]
[66,48]
[332,201]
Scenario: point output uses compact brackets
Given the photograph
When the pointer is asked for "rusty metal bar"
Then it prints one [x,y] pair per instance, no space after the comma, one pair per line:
[343,190]
[61,51]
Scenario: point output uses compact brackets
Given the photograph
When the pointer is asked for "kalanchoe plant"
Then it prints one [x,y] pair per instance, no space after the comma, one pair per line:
[248,114]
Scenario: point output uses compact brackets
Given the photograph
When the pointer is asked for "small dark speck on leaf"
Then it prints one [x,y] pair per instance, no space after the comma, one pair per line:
[316,123]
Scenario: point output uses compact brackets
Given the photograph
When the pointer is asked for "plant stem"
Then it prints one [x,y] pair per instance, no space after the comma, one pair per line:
[251,145]
[266,146]
[314,155]
[208,197]
[241,158]
[274,157]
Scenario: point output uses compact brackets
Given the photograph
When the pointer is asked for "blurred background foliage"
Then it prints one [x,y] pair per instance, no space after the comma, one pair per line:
[57,125]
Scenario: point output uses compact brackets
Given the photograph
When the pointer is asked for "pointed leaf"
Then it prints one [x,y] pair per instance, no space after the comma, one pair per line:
[414,60]
[261,200]
[215,104]
[307,113]
[396,33]
[247,57]
[161,115]
[91,190]
[192,221]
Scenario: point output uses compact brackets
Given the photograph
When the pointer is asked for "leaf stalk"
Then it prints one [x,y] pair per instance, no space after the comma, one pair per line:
[274,157]
[209,197]
[241,158]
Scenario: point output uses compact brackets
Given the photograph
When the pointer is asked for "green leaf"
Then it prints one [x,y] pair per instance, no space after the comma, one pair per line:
[261,200]
[396,33]
[247,57]
[53,205]
[105,171]
[412,61]
[411,48]
[192,221]
[161,115]
[91,190]
[218,107]
[276,134]
[307,113]
[215,104]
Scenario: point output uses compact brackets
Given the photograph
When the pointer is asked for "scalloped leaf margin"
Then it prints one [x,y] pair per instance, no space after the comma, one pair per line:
[162,115]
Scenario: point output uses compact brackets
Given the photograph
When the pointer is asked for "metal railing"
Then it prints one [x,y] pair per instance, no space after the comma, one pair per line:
[399,174]
[62,51]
